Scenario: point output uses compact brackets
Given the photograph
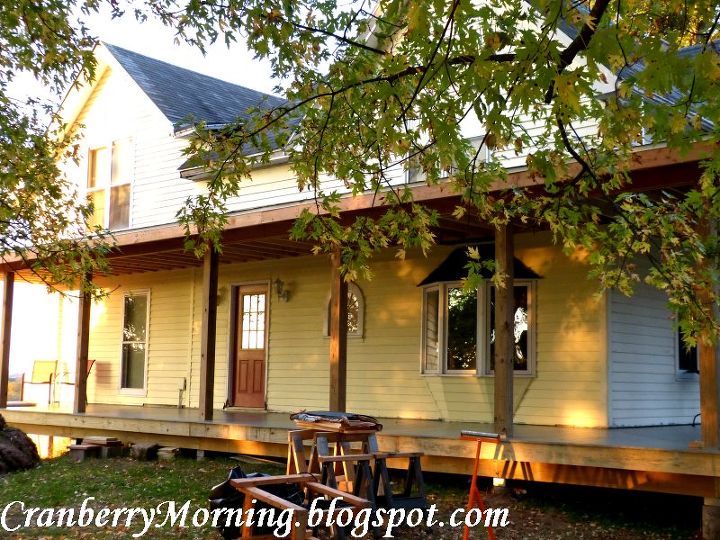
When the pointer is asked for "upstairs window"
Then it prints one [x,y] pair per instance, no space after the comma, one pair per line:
[108,184]
[458,329]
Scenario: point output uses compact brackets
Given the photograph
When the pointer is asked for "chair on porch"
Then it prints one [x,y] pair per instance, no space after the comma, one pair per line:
[90,364]
[44,372]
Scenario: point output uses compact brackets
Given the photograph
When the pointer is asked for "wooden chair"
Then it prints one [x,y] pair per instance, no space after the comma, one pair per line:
[44,372]
[90,365]
[253,490]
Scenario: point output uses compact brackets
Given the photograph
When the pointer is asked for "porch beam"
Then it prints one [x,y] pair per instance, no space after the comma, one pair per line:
[82,350]
[504,330]
[5,334]
[338,336]
[208,332]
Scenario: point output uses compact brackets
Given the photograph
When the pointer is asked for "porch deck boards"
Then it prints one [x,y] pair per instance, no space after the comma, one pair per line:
[654,458]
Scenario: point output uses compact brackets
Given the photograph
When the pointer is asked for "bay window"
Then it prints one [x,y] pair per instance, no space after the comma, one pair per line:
[458,329]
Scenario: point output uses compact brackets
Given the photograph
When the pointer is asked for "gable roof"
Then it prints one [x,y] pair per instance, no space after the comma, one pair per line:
[186,97]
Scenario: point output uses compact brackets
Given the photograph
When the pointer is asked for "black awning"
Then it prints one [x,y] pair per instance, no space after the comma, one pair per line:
[454,267]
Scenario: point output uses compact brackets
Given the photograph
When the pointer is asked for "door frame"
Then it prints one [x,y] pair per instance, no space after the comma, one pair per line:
[232,334]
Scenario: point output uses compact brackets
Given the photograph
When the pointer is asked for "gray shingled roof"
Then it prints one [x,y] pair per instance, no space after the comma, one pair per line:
[186,97]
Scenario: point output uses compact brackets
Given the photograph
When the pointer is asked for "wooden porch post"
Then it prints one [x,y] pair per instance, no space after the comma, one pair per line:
[504,331]
[5,331]
[710,402]
[338,336]
[81,353]
[208,333]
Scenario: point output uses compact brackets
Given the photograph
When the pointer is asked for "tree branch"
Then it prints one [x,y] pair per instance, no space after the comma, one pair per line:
[580,43]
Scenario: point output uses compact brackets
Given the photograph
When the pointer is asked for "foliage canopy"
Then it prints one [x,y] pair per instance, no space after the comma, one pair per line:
[373,87]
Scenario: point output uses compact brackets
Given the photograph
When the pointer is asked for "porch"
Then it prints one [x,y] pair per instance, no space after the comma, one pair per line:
[659,459]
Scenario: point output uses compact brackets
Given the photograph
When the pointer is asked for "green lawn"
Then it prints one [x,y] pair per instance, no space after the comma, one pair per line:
[545,512]
[117,483]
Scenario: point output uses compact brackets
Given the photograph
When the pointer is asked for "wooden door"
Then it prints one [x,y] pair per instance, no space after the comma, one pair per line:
[250,340]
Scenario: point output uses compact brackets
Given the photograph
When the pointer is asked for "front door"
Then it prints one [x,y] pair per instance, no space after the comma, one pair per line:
[250,338]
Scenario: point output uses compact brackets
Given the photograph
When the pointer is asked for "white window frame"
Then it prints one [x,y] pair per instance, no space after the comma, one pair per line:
[482,364]
[141,392]
[682,375]
[360,332]
[108,147]
[532,330]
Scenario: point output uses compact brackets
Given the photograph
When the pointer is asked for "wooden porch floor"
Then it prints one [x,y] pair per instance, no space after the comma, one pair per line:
[654,459]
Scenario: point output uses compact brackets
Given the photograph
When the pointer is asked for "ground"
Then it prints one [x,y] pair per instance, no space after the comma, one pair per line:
[537,512]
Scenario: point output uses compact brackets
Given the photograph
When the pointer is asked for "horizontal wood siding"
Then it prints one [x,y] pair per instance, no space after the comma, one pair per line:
[168,338]
[384,375]
[644,386]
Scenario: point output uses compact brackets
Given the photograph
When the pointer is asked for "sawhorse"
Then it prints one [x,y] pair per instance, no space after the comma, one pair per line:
[475,497]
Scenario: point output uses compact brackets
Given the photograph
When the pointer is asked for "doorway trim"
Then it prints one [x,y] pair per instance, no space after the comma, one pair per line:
[233,336]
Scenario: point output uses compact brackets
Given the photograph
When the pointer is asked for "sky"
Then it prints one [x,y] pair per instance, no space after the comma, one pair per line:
[152,39]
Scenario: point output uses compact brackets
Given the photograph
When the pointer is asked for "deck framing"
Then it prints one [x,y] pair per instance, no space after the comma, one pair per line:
[595,460]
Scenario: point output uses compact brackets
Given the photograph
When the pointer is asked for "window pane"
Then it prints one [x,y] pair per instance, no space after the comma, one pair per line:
[98,168]
[253,321]
[431,345]
[121,162]
[521,327]
[461,329]
[353,314]
[120,207]
[134,327]
[133,361]
[97,198]
[687,357]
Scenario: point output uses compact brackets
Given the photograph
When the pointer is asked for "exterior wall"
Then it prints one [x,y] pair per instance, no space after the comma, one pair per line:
[645,388]
[169,339]
[384,365]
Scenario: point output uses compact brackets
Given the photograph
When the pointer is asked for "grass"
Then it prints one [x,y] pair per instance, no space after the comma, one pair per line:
[544,512]
[117,483]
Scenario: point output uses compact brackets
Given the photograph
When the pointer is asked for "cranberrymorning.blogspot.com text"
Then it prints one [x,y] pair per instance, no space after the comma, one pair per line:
[17,516]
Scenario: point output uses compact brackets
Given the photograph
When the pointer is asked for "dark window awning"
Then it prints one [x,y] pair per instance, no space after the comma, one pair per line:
[454,267]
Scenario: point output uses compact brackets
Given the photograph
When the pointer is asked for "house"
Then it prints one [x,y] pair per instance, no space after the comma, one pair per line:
[251,330]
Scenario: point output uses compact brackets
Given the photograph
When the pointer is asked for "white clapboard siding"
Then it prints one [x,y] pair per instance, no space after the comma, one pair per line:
[117,108]
[643,381]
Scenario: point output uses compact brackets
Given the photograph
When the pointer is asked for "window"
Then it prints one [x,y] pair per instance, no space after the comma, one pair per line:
[134,340]
[458,329]
[687,357]
[253,321]
[108,184]
[356,312]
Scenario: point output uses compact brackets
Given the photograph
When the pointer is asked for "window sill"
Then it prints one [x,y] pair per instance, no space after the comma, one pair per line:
[684,376]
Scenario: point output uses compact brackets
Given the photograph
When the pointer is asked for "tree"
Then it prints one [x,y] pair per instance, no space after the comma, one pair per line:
[42,221]
[372,87]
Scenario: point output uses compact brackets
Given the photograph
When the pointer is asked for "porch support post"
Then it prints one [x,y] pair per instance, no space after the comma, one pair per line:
[338,336]
[504,330]
[81,352]
[710,398]
[208,333]
[708,356]
[5,331]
